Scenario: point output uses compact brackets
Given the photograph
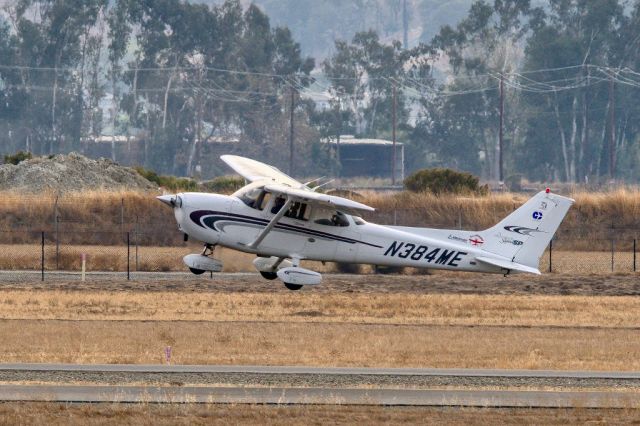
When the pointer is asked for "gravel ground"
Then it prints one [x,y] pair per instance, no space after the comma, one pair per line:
[439,283]
[311,380]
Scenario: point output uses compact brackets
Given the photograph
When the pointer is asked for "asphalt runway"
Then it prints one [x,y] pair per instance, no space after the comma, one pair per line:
[268,369]
[243,395]
[64,392]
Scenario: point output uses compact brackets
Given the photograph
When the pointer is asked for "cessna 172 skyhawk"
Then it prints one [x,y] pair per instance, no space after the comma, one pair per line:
[284,221]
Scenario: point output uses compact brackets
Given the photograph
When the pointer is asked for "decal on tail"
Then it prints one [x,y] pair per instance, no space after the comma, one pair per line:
[523,236]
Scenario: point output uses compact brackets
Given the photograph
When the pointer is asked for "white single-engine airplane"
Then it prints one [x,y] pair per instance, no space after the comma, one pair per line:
[284,221]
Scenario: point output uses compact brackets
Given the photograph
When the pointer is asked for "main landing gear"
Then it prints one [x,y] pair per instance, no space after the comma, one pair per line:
[292,275]
[268,275]
[201,263]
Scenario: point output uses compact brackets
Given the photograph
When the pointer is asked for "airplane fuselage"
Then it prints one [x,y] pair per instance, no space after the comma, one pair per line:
[229,222]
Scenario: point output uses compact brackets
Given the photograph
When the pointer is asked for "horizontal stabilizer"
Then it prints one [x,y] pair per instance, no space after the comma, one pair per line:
[506,264]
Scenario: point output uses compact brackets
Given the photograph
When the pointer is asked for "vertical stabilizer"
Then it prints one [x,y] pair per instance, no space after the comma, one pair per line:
[523,236]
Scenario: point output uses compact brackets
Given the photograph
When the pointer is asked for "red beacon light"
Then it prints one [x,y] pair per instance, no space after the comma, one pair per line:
[548,190]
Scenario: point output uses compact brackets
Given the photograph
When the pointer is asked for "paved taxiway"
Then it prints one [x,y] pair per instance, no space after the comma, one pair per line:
[63,392]
[264,369]
[243,395]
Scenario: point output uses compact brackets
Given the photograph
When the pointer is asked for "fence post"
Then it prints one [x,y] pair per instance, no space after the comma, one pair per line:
[128,258]
[122,215]
[56,224]
[42,257]
[550,251]
[634,255]
[135,234]
[612,251]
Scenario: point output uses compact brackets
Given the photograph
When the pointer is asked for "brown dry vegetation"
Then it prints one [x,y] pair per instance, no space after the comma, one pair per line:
[162,258]
[592,215]
[320,344]
[455,331]
[114,258]
[201,414]
[371,308]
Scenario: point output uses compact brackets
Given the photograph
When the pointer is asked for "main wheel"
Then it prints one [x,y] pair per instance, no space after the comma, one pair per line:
[197,271]
[293,286]
[269,275]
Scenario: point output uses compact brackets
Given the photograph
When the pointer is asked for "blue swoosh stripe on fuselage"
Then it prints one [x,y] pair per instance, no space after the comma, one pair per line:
[198,215]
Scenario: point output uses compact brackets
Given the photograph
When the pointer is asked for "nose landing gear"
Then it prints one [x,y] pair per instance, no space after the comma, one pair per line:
[201,263]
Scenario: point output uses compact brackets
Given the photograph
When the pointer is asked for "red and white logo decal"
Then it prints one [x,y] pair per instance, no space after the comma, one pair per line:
[476,240]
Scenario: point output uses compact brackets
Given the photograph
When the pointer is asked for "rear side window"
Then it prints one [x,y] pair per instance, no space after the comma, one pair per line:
[298,211]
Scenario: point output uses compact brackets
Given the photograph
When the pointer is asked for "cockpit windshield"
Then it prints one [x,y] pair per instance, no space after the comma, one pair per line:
[253,196]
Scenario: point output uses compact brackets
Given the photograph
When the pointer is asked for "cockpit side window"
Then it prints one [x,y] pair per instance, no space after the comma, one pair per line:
[263,200]
[331,218]
[297,210]
[250,197]
[278,202]
[300,211]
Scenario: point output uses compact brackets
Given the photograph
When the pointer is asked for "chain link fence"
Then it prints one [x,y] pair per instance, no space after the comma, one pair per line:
[123,254]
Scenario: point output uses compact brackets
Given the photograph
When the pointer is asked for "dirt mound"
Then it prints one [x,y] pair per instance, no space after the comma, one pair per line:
[69,173]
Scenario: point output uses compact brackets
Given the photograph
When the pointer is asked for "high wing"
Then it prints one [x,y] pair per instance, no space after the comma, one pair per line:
[278,183]
[305,195]
[253,170]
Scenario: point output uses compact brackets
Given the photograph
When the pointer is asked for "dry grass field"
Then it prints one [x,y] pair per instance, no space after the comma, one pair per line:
[320,344]
[394,330]
[592,216]
[202,414]
[164,259]
[334,307]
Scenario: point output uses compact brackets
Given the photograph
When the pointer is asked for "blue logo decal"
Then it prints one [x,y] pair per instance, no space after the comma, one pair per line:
[537,215]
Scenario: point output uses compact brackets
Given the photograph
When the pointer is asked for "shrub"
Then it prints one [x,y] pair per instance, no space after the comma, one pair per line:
[169,182]
[18,157]
[223,184]
[444,181]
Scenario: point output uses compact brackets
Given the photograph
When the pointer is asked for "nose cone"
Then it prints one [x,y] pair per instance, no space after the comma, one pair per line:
[169,200]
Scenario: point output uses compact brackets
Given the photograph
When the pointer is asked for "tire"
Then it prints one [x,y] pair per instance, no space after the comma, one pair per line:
[197,271]
[293,287]
[269,275]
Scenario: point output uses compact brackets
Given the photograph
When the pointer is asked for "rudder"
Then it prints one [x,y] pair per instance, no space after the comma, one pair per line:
[523,236]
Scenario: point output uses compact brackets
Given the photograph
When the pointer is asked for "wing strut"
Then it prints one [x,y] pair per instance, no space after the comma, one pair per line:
[271,224]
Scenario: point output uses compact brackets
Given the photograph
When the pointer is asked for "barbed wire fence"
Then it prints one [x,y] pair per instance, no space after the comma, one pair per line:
[119,237]
[43,255]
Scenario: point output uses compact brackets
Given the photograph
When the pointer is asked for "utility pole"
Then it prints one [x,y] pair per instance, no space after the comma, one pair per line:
[405,25]
[291,131]
[501,141]
[393,132]
[612,130]
[338,132]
